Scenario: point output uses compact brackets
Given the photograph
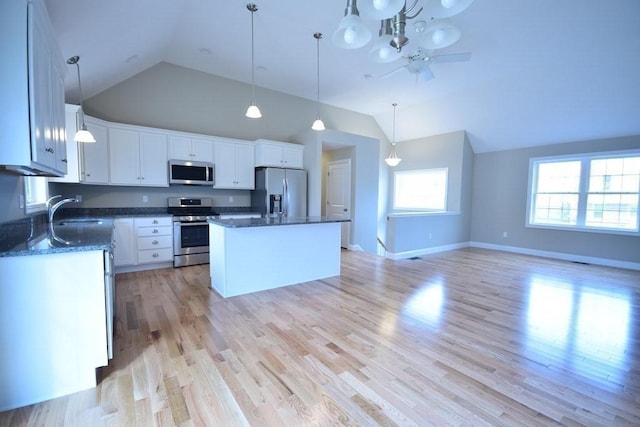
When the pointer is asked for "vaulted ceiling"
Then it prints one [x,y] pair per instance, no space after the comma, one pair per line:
[541,72]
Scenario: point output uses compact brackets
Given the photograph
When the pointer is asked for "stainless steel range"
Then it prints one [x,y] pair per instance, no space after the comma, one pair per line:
[190,229]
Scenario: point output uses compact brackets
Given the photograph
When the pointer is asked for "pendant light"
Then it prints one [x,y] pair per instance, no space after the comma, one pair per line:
[253,112]
[318,124]
[82,134]
[393,159]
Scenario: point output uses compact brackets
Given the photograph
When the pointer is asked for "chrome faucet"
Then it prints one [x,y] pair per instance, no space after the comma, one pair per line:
[52,208]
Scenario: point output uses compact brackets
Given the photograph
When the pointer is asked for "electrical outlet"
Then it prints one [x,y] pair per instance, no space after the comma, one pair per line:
[21,201]
[429,236]
[505,234]
[79,197]
[230,199]
[145,199]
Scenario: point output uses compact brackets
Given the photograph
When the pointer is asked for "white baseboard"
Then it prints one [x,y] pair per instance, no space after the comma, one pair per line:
[142,267]
[355,248]
[426,251]
[558,255]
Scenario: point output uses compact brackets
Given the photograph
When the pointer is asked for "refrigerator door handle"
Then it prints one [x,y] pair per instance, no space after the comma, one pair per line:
[285,196]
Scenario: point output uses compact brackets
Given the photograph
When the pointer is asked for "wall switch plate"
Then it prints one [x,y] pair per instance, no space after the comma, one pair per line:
[505,234]
[21,201]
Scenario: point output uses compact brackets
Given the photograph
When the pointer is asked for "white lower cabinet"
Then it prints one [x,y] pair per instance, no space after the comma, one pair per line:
[53,312]
[143,243]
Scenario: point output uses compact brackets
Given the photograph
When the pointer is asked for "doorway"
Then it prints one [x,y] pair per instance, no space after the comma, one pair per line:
[338,196]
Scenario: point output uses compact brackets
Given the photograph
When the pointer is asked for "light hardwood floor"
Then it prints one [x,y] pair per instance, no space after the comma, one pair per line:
[467,337]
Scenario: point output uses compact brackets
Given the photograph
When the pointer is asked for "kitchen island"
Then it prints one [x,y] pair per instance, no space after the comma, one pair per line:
[255,254]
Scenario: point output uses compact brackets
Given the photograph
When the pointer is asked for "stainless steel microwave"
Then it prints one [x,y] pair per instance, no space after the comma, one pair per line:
[191,173]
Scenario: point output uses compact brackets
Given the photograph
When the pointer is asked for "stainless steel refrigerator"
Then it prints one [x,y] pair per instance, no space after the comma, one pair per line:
[280,192]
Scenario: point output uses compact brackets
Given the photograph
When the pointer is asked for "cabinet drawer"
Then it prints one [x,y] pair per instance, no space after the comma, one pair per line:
[153,221]
[155,255]
[154,231]
[155,242]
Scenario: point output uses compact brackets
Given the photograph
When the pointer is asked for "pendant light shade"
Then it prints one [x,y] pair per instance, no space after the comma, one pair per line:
[82,134]
[253,112]
[438,34]
[393,159]
[379,9]
[352,33]
[318,124]
[382,50]
[445,8]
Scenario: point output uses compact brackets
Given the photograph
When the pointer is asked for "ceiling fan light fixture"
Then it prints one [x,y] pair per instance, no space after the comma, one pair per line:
[379,9]
[82,134]
[393,159]
[438,34]
[446,8]
[253,112]
[352,33]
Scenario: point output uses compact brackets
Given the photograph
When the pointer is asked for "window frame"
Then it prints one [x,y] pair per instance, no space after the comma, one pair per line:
[394,206]
[583,192]
[39,205]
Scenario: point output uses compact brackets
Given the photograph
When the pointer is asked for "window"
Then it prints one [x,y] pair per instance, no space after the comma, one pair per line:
[420,190]
[590,192]
[35,193]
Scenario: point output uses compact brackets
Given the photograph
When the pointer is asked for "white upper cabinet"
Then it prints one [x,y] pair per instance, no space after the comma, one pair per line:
[32,86]
[94,167]
[72,158]
[279,154]
[188,148]
[137,157]
[234,165]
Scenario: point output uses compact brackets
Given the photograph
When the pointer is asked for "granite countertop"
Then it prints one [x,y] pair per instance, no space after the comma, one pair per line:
[67,235]
[270,221]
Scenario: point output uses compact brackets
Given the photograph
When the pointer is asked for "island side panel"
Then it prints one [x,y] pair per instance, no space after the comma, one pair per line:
[251,259]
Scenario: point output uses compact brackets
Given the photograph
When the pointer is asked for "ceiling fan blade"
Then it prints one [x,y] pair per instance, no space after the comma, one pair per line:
[391,72]
[451,57]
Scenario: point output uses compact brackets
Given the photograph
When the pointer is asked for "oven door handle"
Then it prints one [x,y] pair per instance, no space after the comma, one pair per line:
[191,224]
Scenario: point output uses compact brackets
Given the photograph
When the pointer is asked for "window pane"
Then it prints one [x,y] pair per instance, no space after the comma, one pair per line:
[615,175]
[35,193]
[612,211]
[426,189]
[559,209]
[559,177]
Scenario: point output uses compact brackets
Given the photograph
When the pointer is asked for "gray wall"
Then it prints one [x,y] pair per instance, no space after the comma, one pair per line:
[409,234]
[172,97]
[500,186]
[365,170]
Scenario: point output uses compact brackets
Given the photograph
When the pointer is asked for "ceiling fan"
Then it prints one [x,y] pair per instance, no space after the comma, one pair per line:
[418,63]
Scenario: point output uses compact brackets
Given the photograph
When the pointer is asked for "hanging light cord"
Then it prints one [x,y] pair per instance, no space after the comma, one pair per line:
[393,134]
[318,36]
[252,8]
[79,84]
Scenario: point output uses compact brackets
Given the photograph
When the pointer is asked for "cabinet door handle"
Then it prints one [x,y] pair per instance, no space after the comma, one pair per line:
[64,160]
[155,242]
[49,150]
[155,221]
[155,231]
[155,255]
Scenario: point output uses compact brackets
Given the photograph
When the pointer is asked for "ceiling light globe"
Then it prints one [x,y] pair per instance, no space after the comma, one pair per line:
[438,36]
[253,112]
[350,35]
[448,4]
[380,4]
[392,161]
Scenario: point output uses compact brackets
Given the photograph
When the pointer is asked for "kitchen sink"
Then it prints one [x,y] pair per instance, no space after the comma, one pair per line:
[80,221]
